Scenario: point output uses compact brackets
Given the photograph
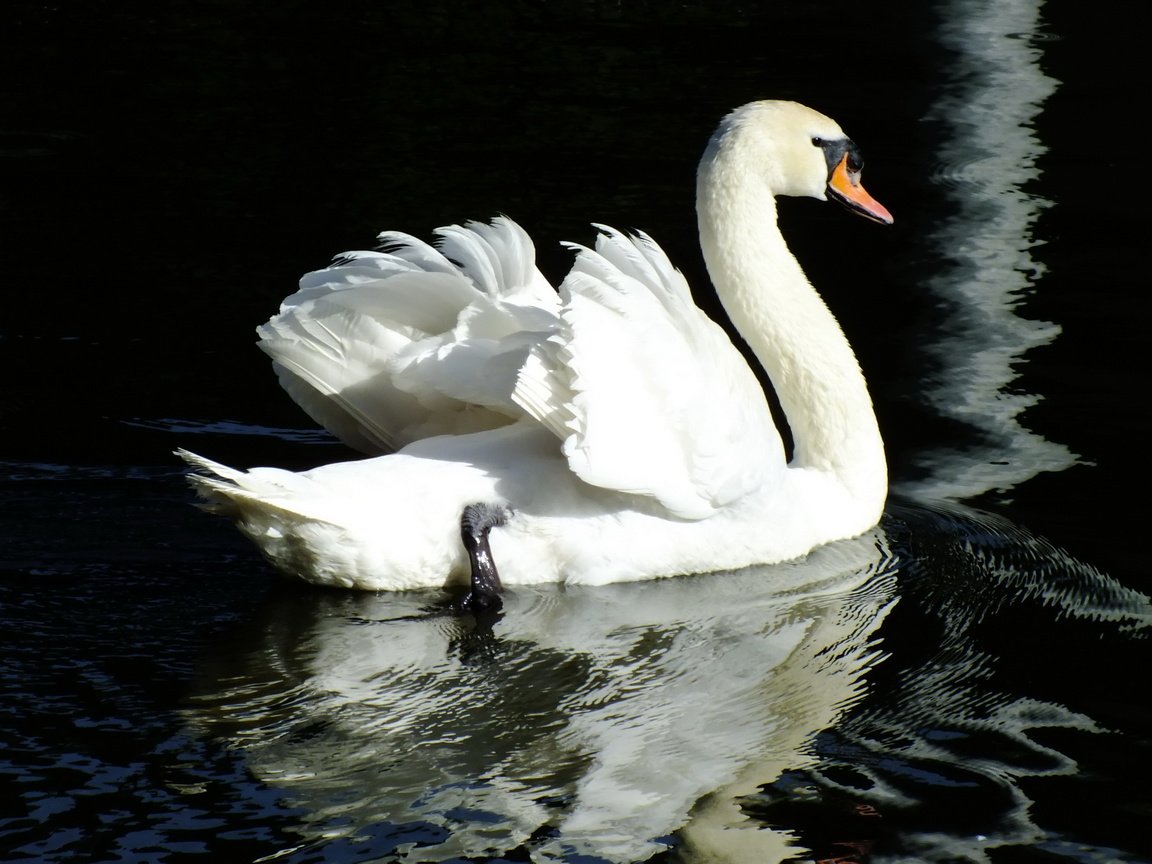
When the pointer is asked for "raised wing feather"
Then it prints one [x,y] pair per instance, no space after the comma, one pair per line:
[648,394]
[383,348]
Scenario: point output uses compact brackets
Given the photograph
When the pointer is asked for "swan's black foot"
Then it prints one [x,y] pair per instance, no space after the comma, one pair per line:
[475,523]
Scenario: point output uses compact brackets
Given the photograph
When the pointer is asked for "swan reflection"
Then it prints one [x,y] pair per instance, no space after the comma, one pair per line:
[594,721]
[940,666]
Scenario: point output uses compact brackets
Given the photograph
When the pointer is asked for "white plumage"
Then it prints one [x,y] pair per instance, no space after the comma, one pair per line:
[619,423]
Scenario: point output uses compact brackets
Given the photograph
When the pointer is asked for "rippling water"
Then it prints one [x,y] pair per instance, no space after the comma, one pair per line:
[940,688]
[964,684]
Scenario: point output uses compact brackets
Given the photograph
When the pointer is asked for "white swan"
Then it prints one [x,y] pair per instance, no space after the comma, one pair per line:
[607,433]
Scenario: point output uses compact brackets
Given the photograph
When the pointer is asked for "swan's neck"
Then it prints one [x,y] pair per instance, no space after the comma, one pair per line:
[771,302]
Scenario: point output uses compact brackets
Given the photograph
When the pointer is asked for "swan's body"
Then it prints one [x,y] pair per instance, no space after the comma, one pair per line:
[620,425]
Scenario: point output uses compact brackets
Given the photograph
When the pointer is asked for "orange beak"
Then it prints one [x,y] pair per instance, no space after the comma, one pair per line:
[844,184]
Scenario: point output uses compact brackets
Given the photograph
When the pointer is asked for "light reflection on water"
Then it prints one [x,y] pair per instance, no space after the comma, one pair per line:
[982,254]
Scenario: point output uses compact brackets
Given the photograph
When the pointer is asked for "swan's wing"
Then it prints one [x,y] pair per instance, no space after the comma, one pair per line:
[647,393]
[383,348]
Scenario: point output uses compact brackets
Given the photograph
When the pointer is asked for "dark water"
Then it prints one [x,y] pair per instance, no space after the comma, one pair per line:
[966,683]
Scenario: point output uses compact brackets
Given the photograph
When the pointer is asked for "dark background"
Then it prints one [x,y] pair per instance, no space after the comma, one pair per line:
[167,172]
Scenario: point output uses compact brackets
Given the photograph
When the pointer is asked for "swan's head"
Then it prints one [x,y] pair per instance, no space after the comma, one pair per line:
[795,151]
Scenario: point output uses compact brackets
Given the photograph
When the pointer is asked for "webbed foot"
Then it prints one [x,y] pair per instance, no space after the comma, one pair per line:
[476,522]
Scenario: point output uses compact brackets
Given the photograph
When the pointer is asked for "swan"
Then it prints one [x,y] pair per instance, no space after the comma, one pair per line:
[607,431]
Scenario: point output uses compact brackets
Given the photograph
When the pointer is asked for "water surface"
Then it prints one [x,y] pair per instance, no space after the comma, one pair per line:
[965,683]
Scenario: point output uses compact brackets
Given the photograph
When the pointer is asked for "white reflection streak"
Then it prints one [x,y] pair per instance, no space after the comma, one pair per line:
[990,98]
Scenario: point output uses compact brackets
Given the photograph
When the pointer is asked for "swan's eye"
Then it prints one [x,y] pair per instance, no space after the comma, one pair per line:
[817,142]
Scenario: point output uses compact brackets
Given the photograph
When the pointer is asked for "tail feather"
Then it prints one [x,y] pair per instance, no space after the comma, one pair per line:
[226,490]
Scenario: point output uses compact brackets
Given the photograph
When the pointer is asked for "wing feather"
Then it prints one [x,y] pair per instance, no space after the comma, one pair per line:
[648,395]
[386,347]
